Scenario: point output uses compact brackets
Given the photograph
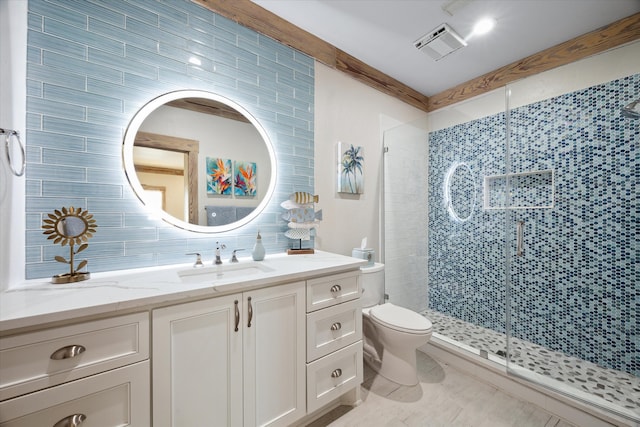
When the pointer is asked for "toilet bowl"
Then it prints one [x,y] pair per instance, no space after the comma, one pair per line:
[392,334]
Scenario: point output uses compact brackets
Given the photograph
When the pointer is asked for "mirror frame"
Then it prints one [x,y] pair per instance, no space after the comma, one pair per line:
[447,200]
[130,172]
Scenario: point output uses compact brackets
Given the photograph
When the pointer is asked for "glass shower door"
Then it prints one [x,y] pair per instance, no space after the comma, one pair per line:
[405,215]
[571,230]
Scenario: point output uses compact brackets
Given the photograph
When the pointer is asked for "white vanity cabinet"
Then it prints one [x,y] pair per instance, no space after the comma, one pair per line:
[232,360]
[334,339]
[151,348]
[96,371]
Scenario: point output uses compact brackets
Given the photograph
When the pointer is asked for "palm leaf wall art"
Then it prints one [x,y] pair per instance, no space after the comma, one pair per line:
[350,168]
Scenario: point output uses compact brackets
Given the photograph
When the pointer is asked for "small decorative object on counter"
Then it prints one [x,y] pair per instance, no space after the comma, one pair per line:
[258,249]
[70,226]
[364,253]
[302,198]
[302,217]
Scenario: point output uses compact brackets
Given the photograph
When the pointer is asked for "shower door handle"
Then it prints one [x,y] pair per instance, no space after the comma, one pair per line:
[520,238]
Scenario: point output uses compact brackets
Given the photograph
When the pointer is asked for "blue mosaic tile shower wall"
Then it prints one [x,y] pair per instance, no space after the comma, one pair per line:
[576,288]
[466,259]
[92,64]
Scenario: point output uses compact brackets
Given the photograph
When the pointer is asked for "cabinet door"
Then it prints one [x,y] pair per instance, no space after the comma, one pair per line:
[197,364]
[274,358]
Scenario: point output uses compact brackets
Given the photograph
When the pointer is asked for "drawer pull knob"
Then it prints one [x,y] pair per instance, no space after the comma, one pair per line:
[67,352]
[337,373]
[71,421]
[336,288]
[336,326]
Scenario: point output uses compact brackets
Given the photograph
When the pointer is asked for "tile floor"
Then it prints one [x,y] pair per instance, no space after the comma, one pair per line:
[444,397]
[620,388]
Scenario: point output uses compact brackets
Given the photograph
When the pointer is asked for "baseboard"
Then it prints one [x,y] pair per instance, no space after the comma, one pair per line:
[488,371]
[349,399]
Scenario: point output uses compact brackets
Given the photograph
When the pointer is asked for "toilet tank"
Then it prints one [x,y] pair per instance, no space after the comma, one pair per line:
[372,285]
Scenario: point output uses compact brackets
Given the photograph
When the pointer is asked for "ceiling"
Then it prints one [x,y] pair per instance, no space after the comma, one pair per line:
[381,32]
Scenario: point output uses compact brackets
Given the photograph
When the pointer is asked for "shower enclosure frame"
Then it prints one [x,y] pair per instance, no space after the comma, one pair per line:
[589,124]
[621,92]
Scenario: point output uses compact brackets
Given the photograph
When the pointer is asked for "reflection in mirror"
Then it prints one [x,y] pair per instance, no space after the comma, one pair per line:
[459,192]
[166,151]
[71,226]
[168,165]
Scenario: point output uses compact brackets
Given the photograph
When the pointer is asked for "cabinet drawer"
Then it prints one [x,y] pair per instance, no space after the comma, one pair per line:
[333,328]
[27,361]
[333,375]
[115,398]
[327,291]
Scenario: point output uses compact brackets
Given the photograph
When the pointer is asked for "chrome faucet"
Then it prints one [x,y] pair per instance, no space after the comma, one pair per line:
[218,260]
[234,258]
[198,262]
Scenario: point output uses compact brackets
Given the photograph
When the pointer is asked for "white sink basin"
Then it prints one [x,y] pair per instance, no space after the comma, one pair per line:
[216,273]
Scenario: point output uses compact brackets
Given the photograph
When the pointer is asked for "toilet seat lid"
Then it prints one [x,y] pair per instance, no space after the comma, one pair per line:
[400,318]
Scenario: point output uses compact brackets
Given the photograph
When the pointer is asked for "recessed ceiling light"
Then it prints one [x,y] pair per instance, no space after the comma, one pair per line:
[483,26]
[195,61]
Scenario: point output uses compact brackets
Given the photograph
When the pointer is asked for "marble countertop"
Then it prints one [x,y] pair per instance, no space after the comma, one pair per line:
[38,302]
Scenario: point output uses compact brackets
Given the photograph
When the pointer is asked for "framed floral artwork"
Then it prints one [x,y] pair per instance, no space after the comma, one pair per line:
[218,176]
[350,168]
[244,179]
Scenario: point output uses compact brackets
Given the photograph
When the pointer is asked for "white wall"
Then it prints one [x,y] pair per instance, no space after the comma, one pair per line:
[13,69]
[352,112]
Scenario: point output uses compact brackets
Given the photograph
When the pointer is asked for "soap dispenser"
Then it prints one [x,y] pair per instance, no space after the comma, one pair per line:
[258,249]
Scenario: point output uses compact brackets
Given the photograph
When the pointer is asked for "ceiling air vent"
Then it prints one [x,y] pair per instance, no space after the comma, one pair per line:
[440,42]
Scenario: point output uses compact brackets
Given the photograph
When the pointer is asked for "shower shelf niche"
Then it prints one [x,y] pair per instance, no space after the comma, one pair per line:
[529,190]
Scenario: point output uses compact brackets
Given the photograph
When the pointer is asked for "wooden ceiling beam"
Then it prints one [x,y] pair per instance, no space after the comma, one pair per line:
[613,35]
[253,16]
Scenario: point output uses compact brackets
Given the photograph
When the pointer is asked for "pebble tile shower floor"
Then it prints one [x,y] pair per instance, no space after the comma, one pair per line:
[613,386]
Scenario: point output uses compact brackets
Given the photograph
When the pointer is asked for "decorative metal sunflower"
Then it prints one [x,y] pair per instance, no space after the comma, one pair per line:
[70,226]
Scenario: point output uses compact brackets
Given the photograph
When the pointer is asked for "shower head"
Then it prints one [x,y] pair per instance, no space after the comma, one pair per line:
[632,110]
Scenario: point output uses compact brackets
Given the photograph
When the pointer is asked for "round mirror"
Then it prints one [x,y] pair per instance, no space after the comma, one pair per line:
[200,161]
[459,192]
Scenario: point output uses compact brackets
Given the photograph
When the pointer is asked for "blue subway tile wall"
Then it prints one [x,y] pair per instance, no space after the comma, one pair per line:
[92,64]
[576,288]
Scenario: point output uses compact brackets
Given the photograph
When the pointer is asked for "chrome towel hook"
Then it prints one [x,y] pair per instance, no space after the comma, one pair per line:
[9,134]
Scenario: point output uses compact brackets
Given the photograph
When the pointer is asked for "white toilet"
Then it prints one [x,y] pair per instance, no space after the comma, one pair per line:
[391,333]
